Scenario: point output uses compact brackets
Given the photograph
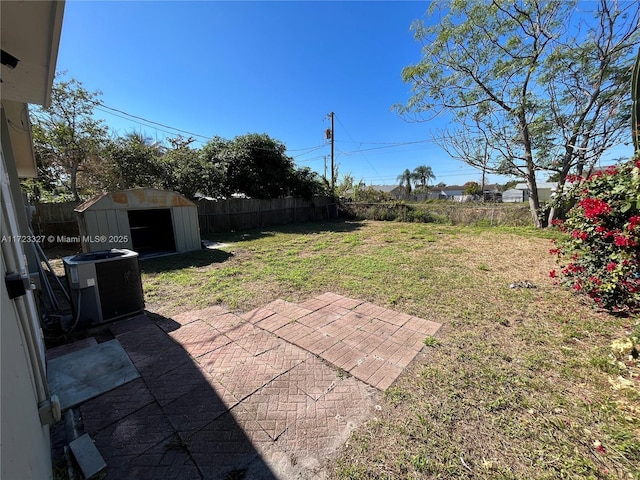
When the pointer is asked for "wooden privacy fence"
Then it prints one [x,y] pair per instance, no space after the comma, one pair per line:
[55,219]
[244,213]
[213,215]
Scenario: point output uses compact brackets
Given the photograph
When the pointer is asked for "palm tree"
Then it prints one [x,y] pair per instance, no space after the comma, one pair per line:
[405,179]
[423,174]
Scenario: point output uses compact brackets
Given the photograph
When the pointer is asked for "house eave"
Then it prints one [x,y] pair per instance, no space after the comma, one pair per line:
[31,33]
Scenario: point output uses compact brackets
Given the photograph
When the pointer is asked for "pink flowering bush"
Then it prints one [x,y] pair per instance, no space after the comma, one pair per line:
[600,255]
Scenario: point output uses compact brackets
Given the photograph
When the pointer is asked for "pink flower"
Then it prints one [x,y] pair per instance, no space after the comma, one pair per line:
[553,274]
[624,241]
[634,222]
[574,178]
[579,235]
[598,446]
[611,266]
[594,207]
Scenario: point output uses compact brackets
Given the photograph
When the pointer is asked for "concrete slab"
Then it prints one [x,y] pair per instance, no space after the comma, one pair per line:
[82,375]
[87,455]
[70,347]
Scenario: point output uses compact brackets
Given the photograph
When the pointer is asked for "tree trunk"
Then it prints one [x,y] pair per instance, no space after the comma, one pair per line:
[562,176]
[534,201]
[74,181]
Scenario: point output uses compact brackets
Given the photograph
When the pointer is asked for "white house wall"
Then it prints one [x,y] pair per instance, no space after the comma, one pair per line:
[25,443]
[31,32]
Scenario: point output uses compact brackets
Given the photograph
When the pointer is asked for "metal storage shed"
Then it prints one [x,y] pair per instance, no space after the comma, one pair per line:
[146,220]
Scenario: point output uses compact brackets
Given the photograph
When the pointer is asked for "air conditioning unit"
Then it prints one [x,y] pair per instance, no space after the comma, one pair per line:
[104,286]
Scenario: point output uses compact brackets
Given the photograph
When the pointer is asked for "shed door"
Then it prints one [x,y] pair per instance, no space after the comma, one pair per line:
[152,231]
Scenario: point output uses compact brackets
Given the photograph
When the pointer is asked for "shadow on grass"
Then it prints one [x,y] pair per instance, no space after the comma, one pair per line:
[297,228]
[197,258]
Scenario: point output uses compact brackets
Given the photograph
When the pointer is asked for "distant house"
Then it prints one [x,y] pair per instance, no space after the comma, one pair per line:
[450,192]
[456,194]
[396,191]
[491,193]
[546,190]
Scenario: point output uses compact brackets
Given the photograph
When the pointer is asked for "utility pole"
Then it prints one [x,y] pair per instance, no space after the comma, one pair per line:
[331,136]
[325,167]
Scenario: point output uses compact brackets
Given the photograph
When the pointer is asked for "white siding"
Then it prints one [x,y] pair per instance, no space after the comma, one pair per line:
[512,196]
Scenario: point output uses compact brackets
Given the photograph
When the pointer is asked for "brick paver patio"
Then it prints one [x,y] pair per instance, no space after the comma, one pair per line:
[263,395]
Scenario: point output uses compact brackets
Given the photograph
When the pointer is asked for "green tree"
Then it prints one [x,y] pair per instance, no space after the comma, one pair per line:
[587,81]
[405,179]
[215,158]
[509,185]
[369,194]
[306,183]
[472,188]
[255,165]
[422,175]
[494,66]
[67,137]
[188,171]
[258,166]
[345,186]
[635,105]
[134,161]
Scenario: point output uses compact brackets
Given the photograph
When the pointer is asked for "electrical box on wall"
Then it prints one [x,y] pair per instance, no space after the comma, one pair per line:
[104,285]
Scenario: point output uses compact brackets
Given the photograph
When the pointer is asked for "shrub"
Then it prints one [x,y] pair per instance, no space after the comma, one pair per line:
[600,252]
[423,215]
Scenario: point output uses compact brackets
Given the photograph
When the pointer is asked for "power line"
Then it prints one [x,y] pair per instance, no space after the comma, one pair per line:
[150,123]
[172,130]
[363,156]
[311,149]
[395,143]
[100,104]
[139,123]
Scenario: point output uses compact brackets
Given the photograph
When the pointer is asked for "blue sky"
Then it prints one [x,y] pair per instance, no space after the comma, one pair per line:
[230,68]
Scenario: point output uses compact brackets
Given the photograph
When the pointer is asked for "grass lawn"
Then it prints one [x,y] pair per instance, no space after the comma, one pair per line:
[517,384]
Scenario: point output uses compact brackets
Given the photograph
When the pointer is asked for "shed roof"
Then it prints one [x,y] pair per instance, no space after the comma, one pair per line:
[541,185]
[512,192]
[137,198]
[386,188]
